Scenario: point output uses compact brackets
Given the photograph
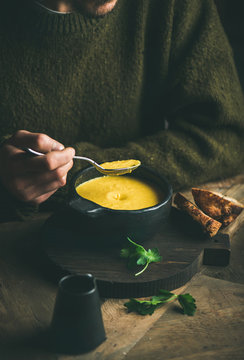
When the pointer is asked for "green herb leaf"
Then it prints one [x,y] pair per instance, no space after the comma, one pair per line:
[141,307]
[164,296]
[147,307]
[188,304]
[153,255]
[137,255]
[142,260]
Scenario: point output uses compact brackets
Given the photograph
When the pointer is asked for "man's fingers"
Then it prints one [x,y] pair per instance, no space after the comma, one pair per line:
[24,163]
[52,177]
[31,193]
[42,198]
[51,161]
[36,141]
[27,188]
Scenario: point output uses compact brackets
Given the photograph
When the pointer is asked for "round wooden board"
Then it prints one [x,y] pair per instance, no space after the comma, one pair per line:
[182,245]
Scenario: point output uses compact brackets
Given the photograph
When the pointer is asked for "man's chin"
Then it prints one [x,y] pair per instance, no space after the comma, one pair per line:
[96,7]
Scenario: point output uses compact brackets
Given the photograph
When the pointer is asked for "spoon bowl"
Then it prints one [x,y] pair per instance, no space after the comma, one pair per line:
[116,171]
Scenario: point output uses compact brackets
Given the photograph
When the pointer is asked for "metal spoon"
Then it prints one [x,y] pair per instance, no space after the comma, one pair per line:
[121,171]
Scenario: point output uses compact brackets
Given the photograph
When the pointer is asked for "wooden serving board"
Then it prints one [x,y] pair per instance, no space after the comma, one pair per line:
[181,243]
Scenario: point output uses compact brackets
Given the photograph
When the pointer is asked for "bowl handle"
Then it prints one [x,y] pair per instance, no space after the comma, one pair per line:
[86,207]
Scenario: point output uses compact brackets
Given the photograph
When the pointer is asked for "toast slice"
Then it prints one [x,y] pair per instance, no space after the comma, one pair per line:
[220,208]
[209,225]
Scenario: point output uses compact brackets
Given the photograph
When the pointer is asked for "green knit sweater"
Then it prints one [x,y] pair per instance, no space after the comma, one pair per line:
[152,80]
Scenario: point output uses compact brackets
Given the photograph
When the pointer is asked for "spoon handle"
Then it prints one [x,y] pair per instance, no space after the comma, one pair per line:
[33,152]
[37,153]
[86,159]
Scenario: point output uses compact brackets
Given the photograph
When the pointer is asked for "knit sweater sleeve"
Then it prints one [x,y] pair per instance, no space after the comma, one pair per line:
[205,108]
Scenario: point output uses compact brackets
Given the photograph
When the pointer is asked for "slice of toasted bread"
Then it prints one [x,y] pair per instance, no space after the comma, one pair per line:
[208,224]
[217,206]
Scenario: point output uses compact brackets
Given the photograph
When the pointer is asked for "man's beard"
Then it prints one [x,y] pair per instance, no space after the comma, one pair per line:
[101,2]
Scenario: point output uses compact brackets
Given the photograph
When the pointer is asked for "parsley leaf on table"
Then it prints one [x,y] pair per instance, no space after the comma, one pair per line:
[147,307]
[137,255]
[188,304]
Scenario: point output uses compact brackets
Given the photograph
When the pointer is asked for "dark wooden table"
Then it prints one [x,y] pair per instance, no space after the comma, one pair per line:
[28,288]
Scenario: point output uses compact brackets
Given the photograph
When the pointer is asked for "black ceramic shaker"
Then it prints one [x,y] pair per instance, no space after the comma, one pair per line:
[77,324]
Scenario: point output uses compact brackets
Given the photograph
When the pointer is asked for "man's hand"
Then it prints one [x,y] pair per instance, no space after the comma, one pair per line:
[34,179]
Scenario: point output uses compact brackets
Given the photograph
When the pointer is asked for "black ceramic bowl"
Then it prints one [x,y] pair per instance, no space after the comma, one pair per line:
[103,225]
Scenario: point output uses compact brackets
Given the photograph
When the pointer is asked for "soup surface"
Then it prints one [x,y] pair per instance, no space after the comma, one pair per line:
[120,192]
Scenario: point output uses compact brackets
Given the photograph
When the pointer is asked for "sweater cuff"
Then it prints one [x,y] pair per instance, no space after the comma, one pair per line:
[12,209]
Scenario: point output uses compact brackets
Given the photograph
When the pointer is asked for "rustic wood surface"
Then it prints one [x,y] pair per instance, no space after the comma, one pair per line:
[181,242]
[28,288]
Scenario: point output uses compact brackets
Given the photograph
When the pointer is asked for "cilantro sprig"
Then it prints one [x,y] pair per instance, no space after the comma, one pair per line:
[138,255]
[147,307]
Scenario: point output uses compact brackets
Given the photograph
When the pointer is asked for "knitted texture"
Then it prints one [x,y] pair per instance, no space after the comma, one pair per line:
[152,80]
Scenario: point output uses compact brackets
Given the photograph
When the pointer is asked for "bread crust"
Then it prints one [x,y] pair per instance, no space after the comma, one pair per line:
[217,206]
[209,225]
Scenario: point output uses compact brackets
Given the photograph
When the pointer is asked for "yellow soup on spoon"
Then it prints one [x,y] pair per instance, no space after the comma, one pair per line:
[122,164]
[121,192]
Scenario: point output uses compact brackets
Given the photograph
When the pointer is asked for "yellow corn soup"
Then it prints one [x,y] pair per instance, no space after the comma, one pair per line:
[121,164]
[120,193]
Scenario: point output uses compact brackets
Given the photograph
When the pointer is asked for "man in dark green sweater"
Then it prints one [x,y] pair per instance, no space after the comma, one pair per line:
[147,79]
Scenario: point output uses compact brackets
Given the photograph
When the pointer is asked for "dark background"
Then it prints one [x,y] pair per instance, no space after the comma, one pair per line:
[232,17]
